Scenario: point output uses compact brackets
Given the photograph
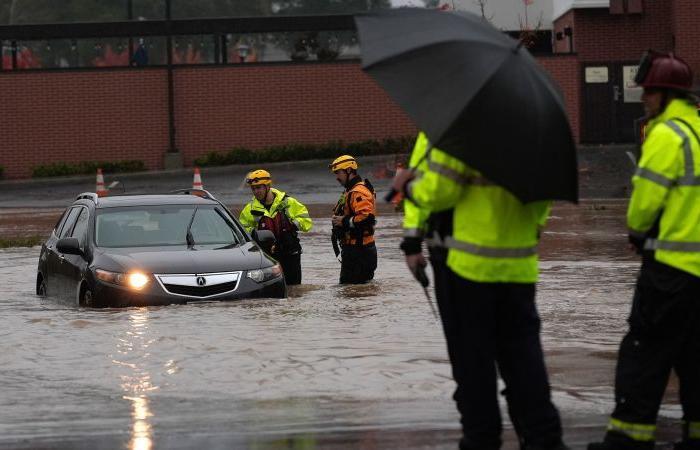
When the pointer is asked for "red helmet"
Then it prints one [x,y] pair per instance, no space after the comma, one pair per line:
[660,70]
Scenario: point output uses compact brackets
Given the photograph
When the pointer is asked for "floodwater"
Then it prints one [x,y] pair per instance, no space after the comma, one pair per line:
[329,367]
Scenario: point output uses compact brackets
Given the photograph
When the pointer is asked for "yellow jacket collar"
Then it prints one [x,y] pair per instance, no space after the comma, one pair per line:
[676,108]
[279,195]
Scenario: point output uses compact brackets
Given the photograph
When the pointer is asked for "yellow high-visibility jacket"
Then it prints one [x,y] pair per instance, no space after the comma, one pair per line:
[415,218]
[494,234]
[666,188]
[282,204]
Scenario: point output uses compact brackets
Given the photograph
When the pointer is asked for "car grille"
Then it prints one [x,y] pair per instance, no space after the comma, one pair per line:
[200,285]
[196,291]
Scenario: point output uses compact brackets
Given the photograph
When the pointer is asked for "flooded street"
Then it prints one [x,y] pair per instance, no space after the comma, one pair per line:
[329,367]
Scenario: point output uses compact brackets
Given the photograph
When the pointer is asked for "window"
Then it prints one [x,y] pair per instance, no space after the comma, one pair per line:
[209,227]
[60,222]
[81,226]
[146,226]
[70,221]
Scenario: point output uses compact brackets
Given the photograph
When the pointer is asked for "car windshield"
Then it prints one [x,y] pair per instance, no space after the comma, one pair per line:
[145,226]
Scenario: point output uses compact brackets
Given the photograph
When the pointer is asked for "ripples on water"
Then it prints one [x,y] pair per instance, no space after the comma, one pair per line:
[328,359]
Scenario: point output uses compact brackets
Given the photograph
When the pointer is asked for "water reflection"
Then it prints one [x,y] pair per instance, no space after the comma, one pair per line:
[136,383]
[332,366]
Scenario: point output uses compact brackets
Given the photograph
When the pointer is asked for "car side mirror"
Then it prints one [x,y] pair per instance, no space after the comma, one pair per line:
[69,246]
[264,237]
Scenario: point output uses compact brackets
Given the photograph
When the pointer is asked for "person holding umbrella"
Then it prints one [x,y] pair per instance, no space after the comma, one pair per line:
[498,148]
[486,297]
[664,227]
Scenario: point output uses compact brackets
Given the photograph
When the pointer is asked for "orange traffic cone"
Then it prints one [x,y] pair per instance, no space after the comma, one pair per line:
[197,182]
[100,188]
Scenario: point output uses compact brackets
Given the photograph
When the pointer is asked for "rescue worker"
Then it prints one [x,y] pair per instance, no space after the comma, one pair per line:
[276,211]
[663,218]
[483,254]
[354,218]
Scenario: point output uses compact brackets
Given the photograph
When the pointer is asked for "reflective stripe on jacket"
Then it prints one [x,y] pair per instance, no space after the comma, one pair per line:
[494,234]
[295,211]
[666,188]
[415,218]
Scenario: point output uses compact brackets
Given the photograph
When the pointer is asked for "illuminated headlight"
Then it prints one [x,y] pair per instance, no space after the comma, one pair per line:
[268,273]
[133,280]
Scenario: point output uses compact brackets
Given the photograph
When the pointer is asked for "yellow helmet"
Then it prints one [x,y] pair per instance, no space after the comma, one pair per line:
[258,177]
[342,163]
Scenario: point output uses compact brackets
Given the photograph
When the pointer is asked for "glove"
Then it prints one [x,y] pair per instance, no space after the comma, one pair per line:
[637,242]
[411,245]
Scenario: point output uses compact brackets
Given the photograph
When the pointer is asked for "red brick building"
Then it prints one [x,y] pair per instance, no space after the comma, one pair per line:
[75,115]
[608,38]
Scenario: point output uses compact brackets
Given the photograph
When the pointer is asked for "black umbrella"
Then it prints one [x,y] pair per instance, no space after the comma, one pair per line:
[477,94]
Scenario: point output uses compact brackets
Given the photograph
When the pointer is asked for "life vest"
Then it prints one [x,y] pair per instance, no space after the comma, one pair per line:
[359,202]
[284,230]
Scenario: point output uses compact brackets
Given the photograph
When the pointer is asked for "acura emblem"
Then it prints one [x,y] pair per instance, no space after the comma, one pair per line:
[201,281]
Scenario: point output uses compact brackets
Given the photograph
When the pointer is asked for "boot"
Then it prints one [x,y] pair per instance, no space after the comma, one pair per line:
[600,446]
[559,446]
[687,445]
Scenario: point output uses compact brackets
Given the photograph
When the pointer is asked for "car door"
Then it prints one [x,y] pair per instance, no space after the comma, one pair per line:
[48,261]
[58,274]
[73,266]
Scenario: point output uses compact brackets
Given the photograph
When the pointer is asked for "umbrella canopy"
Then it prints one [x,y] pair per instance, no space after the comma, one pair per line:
[477,94]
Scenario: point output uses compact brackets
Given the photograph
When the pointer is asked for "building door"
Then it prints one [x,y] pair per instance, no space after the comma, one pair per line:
[611,103]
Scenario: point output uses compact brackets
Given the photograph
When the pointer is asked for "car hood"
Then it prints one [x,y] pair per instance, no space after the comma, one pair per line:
[176,259]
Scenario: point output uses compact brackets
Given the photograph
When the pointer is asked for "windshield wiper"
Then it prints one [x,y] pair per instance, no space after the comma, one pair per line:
[189,237]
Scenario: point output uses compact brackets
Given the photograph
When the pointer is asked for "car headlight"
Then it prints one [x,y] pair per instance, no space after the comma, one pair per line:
[133,280]
[266,274]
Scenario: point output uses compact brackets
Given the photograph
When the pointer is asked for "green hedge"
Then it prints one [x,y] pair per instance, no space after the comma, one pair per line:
[299,152]
[86,167]
[29,241]
[2,170]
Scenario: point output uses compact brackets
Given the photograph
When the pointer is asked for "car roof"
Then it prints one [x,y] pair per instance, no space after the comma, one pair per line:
[152,200]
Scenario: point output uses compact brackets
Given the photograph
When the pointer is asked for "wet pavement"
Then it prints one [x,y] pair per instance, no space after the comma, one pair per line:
[332,366]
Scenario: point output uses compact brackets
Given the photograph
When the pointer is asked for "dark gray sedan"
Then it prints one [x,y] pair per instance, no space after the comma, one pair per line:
[141,250]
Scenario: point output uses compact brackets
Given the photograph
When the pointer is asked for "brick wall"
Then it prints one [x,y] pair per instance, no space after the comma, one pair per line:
[76,116]
[263,105]
[566,73]
[119,114]
[122,114]
[567,20]
[685,28]
[600,36]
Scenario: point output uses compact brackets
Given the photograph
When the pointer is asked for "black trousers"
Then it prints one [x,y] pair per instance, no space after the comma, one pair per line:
[664,333]
[358,263]
[491,329]
[291,265]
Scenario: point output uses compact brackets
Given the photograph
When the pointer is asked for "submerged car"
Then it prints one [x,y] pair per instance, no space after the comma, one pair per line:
[137,250]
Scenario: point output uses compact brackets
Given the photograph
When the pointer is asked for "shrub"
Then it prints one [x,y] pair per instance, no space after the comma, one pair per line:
[300,152]
[2,170]
[28,241]
[86,167]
